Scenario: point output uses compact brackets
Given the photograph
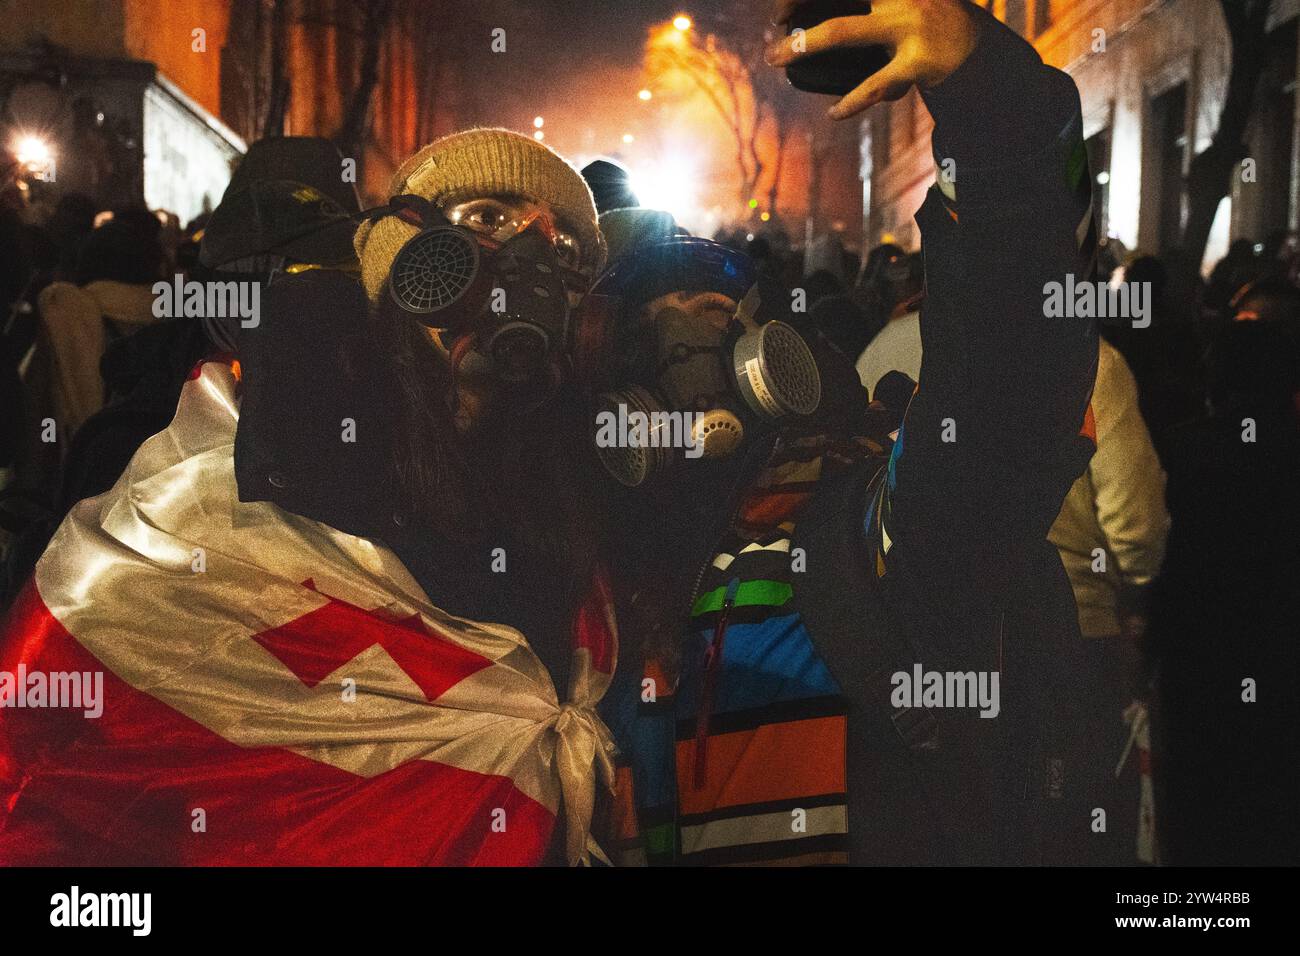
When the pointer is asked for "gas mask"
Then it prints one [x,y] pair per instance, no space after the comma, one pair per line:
[701,389]
[501,305]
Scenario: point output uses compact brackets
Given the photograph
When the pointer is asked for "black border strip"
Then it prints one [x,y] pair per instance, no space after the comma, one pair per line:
[782,712]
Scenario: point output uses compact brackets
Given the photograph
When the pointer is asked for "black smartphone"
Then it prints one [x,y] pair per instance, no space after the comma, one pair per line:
[834,71]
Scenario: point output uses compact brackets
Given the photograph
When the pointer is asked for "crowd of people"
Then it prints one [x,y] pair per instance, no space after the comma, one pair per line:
[604,654]
[1198,516]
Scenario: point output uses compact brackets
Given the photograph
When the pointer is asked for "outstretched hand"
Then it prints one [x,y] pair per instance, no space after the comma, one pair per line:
[929,39]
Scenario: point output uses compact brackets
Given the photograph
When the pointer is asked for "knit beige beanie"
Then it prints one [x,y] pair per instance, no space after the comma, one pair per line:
[480,162]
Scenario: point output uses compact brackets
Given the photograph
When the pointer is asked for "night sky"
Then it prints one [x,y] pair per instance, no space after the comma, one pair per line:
[577,63]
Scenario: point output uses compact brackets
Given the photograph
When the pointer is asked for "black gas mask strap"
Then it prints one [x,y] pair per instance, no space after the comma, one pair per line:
[410,208]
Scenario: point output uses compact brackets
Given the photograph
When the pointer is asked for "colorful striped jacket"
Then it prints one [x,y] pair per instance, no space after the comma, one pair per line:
[742,757]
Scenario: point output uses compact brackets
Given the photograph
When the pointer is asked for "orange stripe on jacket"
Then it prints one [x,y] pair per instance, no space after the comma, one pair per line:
[772,762]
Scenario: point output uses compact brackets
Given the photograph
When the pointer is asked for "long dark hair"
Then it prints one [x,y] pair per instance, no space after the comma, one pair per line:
[526,477]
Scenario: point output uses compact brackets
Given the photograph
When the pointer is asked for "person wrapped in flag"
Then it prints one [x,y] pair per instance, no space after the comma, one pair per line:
[858,580]
[347,607]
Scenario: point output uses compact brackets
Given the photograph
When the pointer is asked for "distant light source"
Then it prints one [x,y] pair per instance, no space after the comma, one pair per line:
[1103,178]
[753,204]
[539,135]
[628,137]
[667,182]
[32,152]
[538,122]
[765,216]
[682,22]
[644,95]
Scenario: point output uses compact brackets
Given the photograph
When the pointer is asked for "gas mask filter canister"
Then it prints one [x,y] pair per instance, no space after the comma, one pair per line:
[509,296]
[760,373]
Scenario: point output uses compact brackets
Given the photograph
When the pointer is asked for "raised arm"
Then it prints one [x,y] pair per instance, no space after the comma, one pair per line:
[991,441]
[992,438]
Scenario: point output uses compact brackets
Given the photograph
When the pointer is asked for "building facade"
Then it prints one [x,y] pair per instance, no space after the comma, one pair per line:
[103,114]
[148,101]
[1152,77]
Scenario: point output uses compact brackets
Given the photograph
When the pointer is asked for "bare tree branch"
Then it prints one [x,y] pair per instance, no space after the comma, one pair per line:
[750,98]
[278,102]
[355,128]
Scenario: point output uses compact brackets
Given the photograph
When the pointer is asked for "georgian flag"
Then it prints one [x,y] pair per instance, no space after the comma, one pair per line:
[276,692]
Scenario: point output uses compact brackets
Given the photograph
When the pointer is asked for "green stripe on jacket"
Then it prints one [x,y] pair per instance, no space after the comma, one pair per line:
[750,593]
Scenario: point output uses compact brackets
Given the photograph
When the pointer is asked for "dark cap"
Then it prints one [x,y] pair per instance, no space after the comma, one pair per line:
[677,264]
[611,185]
[287,197]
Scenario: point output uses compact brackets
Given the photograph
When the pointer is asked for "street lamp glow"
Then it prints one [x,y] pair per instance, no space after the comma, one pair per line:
[682,22]
[539,136]
[628,137]
[644,95]
[32,152]
[667,182]
[538,122]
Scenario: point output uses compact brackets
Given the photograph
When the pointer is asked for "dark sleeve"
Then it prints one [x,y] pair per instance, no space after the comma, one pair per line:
[308,369]
[991,440]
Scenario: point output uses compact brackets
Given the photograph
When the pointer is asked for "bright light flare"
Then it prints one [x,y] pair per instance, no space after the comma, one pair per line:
[538,122]
[628,137]
[668,184]
[644,95]
[682,22]
[32,152]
